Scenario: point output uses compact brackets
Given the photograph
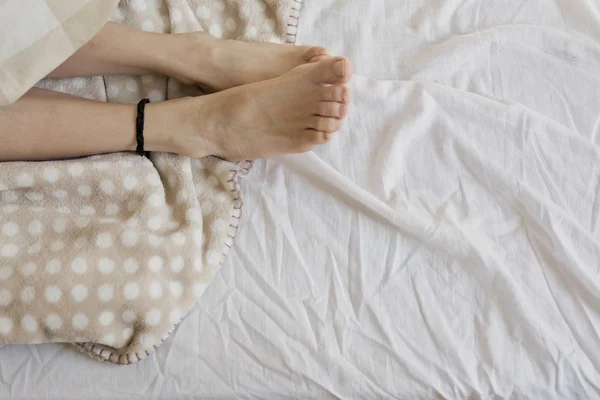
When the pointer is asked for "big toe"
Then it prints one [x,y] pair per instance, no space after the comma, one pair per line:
[334,70]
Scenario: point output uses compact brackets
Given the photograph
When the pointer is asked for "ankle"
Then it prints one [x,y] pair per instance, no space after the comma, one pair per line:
[178,62]
[169,125]
[192,128]
[157,120]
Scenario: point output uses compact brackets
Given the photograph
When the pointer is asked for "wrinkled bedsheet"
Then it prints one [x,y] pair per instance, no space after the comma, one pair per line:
[444,245]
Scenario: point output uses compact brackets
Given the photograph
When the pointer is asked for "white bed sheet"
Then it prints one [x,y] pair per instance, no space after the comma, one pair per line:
[444,245]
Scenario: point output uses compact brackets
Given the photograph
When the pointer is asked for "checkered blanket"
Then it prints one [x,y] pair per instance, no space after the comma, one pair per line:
[38,35]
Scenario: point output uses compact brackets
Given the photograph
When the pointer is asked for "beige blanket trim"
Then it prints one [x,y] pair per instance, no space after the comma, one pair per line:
[293,21]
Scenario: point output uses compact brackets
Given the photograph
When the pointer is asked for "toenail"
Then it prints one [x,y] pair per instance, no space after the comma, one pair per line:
[338,68]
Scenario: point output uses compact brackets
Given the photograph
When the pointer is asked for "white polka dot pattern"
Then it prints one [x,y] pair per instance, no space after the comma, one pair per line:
[130,182]
[107,187]
[24,180]
[9,250]
[216,31]
[203,12]
[28,269]
[80,321]
[155,264]
[106,318]
[131,265]
[112,209]
[84,190]
[104,240]
[27,294]
[10,229]
[147,26]
[176,289]
[131,291]
[106,292]
[79,265]
[53,294]
[79,293]
[106,265]
[51,174]
[153,317]
[53,266]
[177,264]
[75,169]
[29,323]
[155,290]
[60,224]
[53,322]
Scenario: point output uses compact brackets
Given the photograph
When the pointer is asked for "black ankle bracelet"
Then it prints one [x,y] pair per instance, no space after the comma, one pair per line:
[139,127]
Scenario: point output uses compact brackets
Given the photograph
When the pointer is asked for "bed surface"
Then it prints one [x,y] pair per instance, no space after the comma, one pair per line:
[444,245]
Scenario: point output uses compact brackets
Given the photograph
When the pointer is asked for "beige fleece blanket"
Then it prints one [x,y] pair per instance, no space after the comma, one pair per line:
[110,252]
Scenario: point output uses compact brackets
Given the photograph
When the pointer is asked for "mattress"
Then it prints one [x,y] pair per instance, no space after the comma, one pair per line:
[444,245]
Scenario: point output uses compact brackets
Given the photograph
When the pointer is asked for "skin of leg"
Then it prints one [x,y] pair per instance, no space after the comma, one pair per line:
[289,114]
[195,57]
[46,125]
[118,50]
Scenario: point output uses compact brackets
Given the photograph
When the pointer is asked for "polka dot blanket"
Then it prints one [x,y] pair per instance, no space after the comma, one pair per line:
[110,252]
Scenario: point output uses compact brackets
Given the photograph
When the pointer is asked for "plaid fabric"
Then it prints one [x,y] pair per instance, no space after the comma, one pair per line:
[36,36]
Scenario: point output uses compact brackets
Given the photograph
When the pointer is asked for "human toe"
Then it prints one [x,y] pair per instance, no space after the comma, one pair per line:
[334,70]
[315,53]
[326,124]
[331,109]
[338,93]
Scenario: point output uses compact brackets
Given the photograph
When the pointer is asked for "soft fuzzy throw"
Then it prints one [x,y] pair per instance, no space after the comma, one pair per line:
[110,252]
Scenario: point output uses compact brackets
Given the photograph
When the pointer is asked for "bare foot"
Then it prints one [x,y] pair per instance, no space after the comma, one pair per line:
[218,64]
[292,113]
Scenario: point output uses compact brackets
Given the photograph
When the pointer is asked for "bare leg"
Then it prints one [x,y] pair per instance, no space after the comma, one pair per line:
[296,102]
[195,57]
[118,50]
[218,64]
[289,114]
[45,125]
